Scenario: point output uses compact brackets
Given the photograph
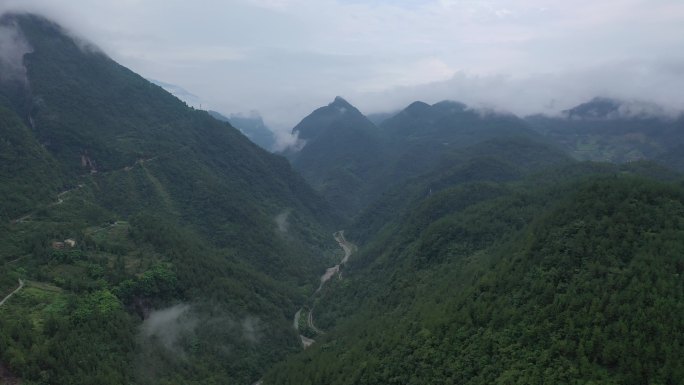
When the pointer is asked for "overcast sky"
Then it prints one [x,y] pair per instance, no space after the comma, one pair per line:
[284,58]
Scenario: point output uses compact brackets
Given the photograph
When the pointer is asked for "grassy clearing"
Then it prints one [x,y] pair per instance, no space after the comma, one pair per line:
[35,302]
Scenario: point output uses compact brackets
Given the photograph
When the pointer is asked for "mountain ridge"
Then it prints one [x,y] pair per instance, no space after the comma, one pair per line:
[168,213]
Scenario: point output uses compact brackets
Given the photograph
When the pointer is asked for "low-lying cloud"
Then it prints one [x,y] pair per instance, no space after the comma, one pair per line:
[658,83]
[13,47]
[167,326]
[281,221]
[285,58]
[172,328]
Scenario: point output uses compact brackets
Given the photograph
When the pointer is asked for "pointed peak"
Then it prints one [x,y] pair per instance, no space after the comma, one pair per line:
[417,107]
[342,106]
[340,102]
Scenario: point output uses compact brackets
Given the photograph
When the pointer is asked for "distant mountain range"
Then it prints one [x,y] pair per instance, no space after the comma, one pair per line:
[180,92]
[352,161]
[345,151]
[252,126]
[615,131]
[143,241]
[490,254]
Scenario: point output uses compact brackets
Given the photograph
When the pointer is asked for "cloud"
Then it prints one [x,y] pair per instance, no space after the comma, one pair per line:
[167,326]
[172,328]
[656,81]
[13,47]
[284,58]
[281,221]
[251,329]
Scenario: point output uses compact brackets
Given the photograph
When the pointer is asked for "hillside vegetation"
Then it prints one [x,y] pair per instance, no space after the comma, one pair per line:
[192,246]
[525,282]
[146,242]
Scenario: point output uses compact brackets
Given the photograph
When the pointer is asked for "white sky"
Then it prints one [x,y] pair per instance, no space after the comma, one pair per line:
[284,58]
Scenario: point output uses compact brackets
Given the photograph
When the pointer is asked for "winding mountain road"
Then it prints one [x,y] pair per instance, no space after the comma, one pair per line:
[309,321]
[59,201]
[21,285]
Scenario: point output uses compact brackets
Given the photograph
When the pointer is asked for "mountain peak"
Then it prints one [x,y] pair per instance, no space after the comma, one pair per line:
[596,108]
[417,107]
[339,114]
[341,104]
[602,108]
[339,99]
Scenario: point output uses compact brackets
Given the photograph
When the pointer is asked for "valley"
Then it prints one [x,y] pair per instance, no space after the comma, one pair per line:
[144,240]
[330,272]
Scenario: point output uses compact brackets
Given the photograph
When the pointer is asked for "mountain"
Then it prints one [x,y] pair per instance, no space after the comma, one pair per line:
[352,162]
[612,130]
[496,160]
[150,243]
[146,242]
[597,108]
[180,92]
[422,134]
[492,256]
[570,275]
[608,108]
[252,126]
[27,170]
[342,153]
[338,115]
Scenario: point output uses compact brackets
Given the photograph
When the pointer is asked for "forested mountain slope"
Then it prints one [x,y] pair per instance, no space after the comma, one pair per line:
[496,160]
[145,242]
[364,160]
[29,173]
[421,134]
[157,244]
[352,161]
[610,130]
[573,275]
[342,155]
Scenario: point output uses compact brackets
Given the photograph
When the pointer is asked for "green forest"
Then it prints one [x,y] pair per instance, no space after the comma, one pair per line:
[513,283]
[143,241]
[178,271]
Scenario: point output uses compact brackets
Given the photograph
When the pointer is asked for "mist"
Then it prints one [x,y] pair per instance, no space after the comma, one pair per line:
[524,57]
[167,326]
[172,328]
[13,47]
[657,83]
[281,221]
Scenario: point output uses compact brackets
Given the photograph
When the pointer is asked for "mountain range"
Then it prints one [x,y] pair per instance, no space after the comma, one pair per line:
[148,242]
[495,253]
[352,161]
[252,126]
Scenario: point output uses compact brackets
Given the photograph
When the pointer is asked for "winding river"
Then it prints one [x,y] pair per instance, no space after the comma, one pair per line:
[348,248]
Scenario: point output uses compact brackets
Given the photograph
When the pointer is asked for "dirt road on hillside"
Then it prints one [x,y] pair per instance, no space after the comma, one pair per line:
[21,285]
